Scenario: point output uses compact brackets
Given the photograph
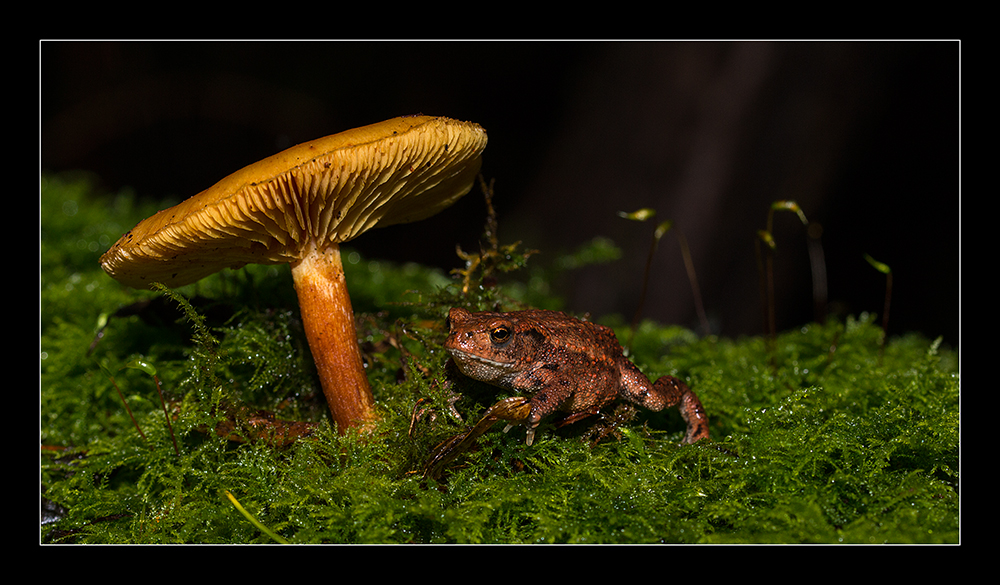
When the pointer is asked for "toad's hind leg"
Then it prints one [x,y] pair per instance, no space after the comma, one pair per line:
[670,391]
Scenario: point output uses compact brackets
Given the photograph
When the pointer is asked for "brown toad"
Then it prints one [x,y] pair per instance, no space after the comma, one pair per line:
[563,363]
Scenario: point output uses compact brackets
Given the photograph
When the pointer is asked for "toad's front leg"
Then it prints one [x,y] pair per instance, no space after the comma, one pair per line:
[549,389]
[514,409]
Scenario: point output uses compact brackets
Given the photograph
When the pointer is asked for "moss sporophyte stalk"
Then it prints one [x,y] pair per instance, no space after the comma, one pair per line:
[828,445]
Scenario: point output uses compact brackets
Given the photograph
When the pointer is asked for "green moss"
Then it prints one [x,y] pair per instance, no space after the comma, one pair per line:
[826,443]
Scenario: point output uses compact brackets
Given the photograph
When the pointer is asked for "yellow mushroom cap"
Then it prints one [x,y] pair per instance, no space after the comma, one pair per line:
[318,193]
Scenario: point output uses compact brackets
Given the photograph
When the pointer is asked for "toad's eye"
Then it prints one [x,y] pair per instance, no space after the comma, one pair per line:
[500,334]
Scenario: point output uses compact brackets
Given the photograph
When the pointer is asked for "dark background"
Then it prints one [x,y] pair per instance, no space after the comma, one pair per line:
[863,135]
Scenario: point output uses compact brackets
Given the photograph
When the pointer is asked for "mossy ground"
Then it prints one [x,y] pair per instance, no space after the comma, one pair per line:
[829,442]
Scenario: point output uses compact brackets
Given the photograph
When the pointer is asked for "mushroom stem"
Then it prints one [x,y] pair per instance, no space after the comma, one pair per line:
[329,325]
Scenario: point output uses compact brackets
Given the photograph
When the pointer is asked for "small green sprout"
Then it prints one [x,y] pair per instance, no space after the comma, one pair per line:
[884,269]
[236,503]
[765,266]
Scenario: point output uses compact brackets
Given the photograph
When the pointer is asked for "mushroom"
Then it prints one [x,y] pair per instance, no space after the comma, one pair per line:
[297,207]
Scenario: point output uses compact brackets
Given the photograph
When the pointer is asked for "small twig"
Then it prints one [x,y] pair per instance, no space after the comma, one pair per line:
[492,257]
